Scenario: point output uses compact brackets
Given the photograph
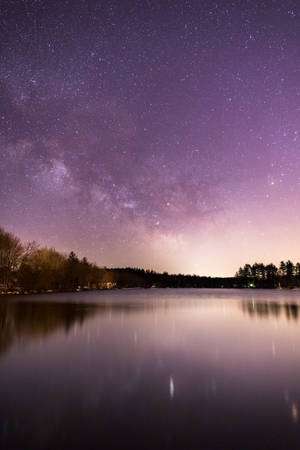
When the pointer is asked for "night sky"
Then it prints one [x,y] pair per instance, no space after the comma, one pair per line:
[159,134]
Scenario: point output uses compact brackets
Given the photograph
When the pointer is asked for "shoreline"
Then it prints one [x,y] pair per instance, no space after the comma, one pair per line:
[74,291]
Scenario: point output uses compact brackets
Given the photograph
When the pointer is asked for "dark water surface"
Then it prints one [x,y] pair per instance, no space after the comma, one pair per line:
[151,369]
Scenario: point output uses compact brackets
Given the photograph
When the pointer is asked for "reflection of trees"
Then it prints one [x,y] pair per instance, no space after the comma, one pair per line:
[24,320]
[266,309]
[27,320]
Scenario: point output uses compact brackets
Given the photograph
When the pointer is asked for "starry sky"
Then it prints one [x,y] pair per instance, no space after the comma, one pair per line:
[159,134]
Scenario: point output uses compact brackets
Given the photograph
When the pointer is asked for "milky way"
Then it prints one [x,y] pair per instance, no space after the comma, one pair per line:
[161,134]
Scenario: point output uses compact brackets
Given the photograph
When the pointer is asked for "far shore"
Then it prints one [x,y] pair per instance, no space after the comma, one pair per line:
[52,291]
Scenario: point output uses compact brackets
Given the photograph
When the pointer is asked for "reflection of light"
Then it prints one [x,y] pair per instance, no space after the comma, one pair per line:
[214,387]
[295,413]
[172,388]
[273,349]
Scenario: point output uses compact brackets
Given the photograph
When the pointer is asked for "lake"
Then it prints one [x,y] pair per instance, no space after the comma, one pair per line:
[150,369]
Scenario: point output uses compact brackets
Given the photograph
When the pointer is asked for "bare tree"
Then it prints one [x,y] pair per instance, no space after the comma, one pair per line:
[11,254]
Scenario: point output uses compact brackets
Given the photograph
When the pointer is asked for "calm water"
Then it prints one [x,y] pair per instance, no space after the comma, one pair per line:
[159,369]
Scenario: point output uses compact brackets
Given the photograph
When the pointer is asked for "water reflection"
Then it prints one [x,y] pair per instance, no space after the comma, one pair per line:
[22,321]
[169,369]
[295,412]
[271,309]
[172,387]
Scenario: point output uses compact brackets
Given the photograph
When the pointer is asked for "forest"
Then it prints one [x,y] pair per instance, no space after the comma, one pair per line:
[259,275]
[31,269]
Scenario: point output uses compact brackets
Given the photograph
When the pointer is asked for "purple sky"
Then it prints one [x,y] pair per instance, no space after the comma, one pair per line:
[160,134]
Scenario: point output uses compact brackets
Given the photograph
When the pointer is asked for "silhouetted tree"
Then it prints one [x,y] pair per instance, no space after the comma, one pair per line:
[271,271]
[282,269]
[11,253]
[289,268]
[72,271]
[255,270]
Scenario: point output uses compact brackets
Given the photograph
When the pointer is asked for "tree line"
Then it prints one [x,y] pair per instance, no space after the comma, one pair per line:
[259,275]
[31,268]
